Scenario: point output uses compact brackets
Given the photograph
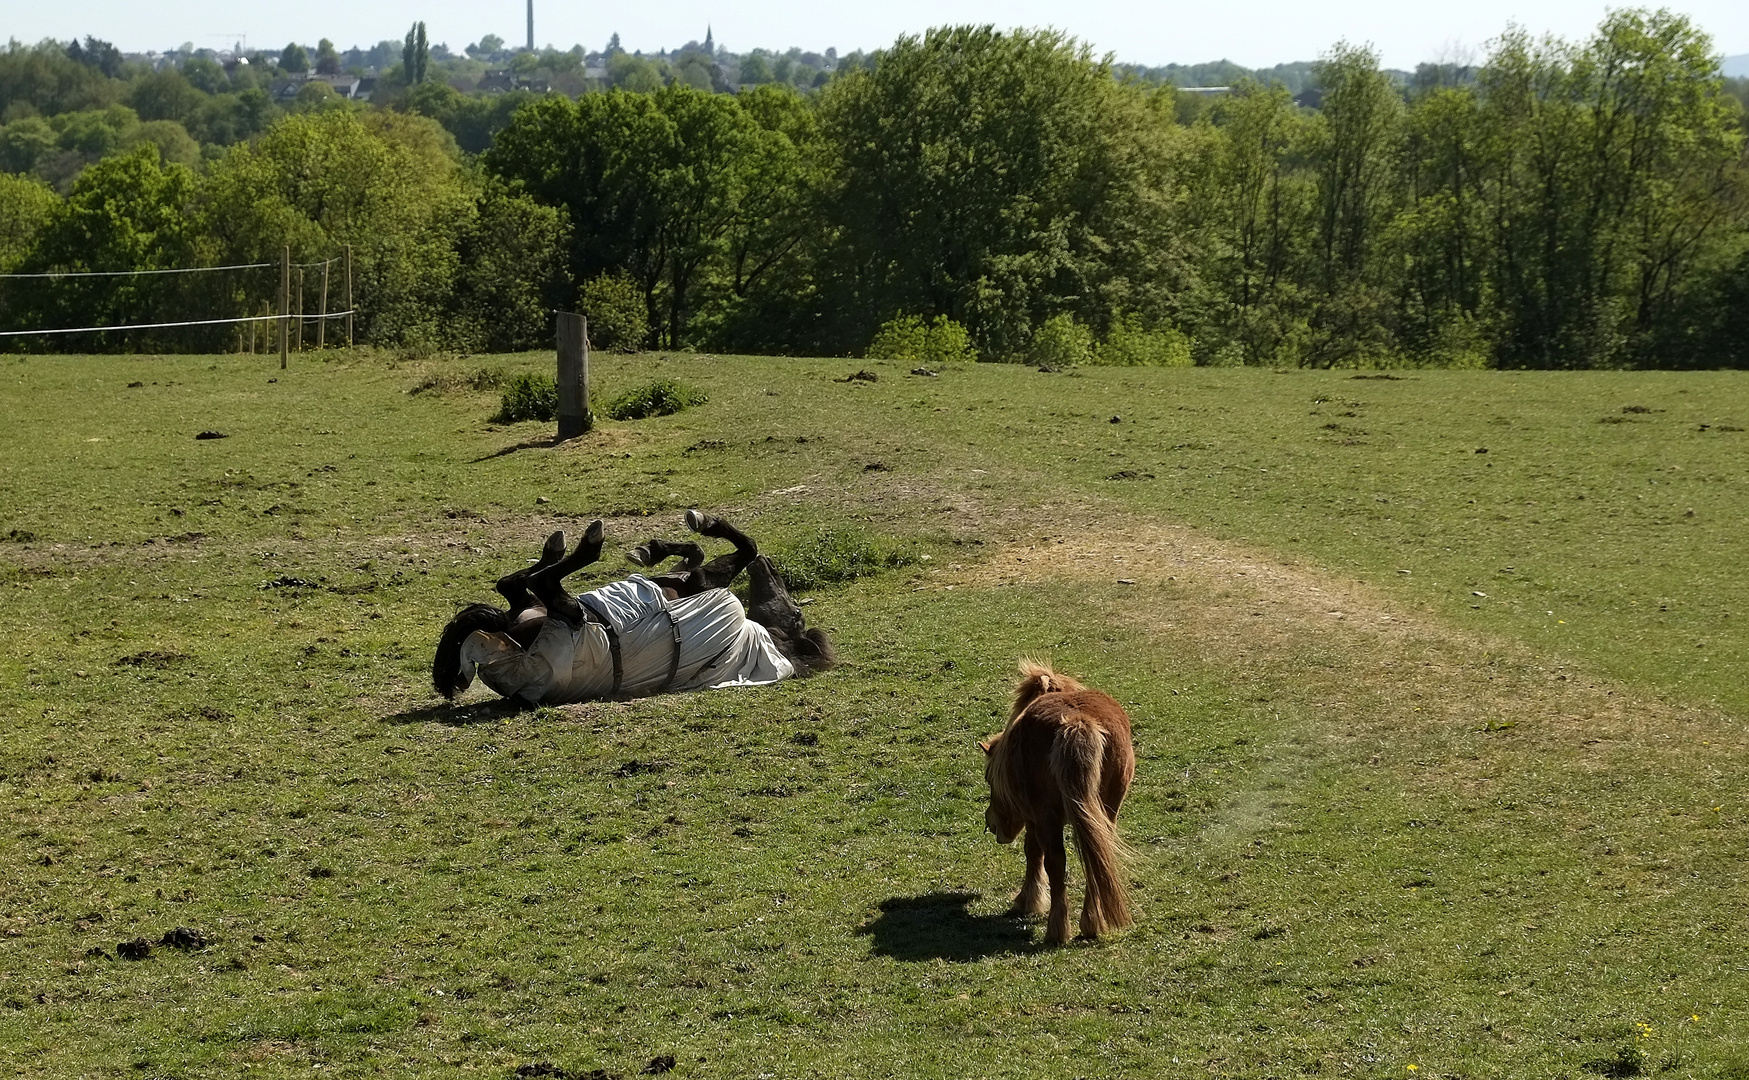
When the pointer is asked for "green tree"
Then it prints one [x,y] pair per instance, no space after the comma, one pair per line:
[26,204]
[223,119]
[654,184]
[127,212]
[384,183]
[94,133]
[327,60]
[637,74]
[295,59]
[97,54]
[512,253]
[997,179]
[172,140]
[472,118]
[25,142]
[1439,237]
[205,75]
[415,53]
[43,80]
[165,95]
[1357,162]
[1252,201]
[755,69]
[613,304]
[1613,174]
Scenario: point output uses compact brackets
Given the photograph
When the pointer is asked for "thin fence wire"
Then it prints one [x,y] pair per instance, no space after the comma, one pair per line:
[135,273]
[166,325]
[300,317]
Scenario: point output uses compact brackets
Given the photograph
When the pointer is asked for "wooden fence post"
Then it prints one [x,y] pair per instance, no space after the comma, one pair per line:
[322,324]
[300,306]
[284,301]
[349,296]
[573,375]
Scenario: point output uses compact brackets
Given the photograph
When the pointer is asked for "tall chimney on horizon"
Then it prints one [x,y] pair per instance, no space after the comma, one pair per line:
[530,25]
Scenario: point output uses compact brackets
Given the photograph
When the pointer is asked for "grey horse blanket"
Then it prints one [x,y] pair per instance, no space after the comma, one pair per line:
[645,644]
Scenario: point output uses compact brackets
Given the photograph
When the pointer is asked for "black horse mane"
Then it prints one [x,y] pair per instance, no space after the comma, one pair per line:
[446,666]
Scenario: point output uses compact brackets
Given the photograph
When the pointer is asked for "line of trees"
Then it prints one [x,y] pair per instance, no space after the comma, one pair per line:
[1559,205]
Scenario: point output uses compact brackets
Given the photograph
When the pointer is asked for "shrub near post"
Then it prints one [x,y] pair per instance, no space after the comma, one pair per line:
[573,375]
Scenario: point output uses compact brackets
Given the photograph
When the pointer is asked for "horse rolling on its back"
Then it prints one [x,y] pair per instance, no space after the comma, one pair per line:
[1064,758]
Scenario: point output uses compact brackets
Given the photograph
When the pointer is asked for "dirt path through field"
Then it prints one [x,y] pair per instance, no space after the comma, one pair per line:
[1367,665]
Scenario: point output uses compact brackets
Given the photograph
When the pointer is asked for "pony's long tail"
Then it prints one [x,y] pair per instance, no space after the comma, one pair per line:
[1077,760]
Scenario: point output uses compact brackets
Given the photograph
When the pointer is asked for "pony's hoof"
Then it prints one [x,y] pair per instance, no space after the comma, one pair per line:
[594,534]
[697,520]
[554,549]
[639,556]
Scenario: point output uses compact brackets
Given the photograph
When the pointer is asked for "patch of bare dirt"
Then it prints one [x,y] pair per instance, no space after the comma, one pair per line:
[1346,652]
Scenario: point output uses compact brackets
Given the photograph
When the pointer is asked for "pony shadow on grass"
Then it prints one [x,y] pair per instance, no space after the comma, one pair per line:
[937,926]
[481,712]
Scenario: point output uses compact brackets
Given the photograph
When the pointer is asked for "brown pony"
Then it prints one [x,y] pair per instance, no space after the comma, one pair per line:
[1064,758]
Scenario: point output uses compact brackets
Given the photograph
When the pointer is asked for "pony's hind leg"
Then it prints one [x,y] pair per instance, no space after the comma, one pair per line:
[1056,865]
[548,584]
[1032,899]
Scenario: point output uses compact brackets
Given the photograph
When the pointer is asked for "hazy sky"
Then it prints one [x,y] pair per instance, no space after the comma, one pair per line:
[1255,33]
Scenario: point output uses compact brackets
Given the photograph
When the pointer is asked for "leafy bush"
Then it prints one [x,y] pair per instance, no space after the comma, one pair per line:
[489,378]
[529,397]
[947,342]
[618,319]
[902,338]
[664,397]
[1129,345]
[1060,342]
[912,340]
[836,556]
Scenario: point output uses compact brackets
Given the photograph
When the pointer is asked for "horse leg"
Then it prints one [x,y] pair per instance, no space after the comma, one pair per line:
[1056,860]
[548,584]
[513,587]
[655,552]
[1032,900]
[721,571]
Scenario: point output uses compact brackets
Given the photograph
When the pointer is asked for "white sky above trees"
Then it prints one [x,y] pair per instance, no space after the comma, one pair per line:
[1254,33]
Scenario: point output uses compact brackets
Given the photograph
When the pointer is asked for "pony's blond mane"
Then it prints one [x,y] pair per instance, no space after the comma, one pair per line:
[1037,678]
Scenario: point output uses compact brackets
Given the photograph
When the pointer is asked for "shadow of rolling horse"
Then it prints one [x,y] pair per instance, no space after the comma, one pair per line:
[681,629]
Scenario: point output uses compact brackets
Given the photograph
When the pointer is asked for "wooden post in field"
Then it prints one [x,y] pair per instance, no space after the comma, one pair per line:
[322,323]
[284,301]
[573,375]
[300,307]
[349,296]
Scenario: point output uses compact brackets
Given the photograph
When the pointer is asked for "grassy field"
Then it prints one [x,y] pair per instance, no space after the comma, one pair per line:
[1436,680]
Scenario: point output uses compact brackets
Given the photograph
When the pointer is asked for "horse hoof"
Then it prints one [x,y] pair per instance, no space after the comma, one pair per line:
[594,534]
[696,520]
[639,556]
[554,549]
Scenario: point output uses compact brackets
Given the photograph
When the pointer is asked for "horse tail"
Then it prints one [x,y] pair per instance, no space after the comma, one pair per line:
[446,666]
[810,651]
[817,648]
[1077,758]
[1036,679]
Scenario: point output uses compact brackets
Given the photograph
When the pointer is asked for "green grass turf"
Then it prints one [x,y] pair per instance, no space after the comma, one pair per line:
[218,716]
